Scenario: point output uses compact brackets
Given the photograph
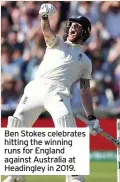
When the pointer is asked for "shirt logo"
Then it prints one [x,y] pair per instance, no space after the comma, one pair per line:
[80,57]
[25,100]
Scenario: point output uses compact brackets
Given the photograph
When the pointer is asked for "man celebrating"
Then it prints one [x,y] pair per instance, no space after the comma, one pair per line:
[64,63]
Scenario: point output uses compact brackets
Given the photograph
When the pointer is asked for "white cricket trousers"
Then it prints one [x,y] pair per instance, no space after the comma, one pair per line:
[40,96]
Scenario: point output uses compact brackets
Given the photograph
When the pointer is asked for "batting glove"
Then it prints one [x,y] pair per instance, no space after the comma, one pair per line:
[94,125]
[47,9]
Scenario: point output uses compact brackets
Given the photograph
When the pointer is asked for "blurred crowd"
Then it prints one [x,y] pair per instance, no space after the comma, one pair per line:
[23,47]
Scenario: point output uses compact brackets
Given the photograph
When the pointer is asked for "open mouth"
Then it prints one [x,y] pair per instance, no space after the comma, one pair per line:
[73,32]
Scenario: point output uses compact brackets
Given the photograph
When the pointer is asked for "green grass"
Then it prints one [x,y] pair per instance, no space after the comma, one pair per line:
[103,172]
[99,172]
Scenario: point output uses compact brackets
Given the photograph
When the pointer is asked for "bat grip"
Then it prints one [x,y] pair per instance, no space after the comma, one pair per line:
[99,130]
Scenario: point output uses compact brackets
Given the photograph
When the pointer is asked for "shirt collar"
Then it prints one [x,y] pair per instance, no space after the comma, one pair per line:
[72,44]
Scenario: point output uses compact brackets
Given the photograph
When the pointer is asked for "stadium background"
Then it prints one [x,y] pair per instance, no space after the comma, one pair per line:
[22,50]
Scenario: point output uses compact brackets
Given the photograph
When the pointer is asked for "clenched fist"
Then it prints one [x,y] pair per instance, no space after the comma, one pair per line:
[94,125]
[47,9]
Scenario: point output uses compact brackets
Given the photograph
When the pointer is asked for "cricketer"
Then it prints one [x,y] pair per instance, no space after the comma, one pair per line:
[63,64]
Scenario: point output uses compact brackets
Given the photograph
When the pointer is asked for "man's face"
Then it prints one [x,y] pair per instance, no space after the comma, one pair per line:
[12,37]
[74,32]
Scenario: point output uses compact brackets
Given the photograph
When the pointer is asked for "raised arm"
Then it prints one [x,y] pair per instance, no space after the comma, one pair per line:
[47,10]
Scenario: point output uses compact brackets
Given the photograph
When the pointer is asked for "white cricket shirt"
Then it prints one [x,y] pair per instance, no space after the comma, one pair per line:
[64,63]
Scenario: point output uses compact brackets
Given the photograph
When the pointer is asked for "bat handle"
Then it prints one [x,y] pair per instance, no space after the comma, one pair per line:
[99,130]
